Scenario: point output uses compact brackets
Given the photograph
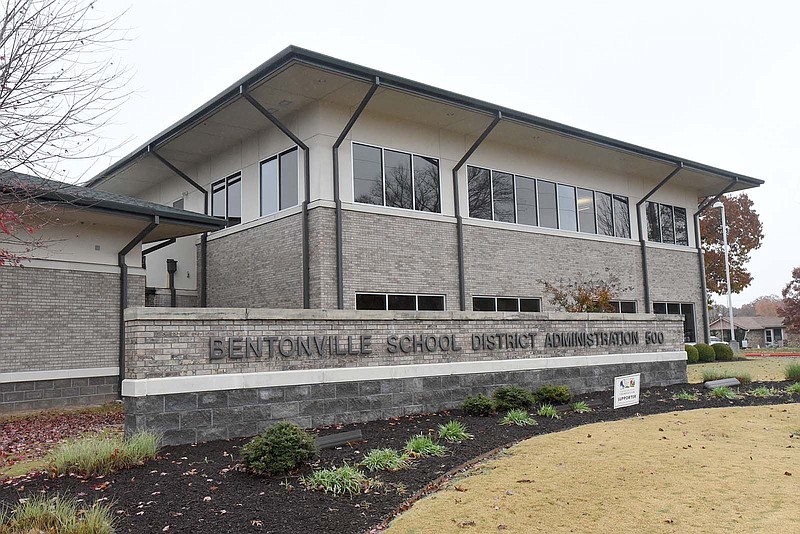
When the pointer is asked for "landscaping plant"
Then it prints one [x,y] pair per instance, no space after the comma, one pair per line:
[686,396]
[478,405]
[57,515]
[692,356]
[281,448]
[705,352]
[723,352]
[723,392]
[763,391]
[338,481]
[423,445]
[549,394]
[512,398]
[385,460]
[794,388]
[518,417]
[580,407]
[99,454]
[793,372]
[547,410]
[454,431]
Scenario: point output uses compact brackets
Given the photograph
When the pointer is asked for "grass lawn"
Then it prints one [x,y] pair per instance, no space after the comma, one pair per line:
[761,369]
[708,470]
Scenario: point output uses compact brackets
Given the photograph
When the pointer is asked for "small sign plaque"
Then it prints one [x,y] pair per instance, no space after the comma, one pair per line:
[626,390]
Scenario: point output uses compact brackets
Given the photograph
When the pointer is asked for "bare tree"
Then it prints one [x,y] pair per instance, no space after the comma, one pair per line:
[59,84]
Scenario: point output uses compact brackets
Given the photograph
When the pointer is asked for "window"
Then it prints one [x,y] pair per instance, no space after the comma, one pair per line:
[567,212]
[395,179]
[622,217]
[279,182]
[624,306]
[677,308]
[586,215]
[479,185]
[399,302]
[526,200]
[666,224]
[548,214]
[226,199]
[178,204]
[605,214]
[506,304]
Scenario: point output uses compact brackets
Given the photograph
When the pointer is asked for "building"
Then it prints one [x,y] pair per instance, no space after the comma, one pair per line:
[757,332]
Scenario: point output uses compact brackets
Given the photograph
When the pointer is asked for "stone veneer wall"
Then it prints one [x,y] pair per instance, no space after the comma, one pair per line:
[174,387]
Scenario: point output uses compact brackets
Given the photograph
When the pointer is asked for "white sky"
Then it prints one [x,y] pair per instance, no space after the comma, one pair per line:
[715,82]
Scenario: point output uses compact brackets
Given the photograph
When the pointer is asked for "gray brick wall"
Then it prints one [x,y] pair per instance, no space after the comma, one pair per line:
[675,277]
[59,319]
[160,298]
[60,393]
[258,267]
[322,252]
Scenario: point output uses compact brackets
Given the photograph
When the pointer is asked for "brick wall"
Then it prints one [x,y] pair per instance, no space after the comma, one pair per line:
[59,393]
[322,262]
[675,277]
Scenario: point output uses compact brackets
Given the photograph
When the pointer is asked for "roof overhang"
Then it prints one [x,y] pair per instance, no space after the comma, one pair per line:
[296,77]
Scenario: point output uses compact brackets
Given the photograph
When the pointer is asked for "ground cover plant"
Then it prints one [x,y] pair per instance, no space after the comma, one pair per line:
[763,391]
[549,394]
[547,410]
[581,407]
[793,388]
[385,460]
[705,352]
[57,515]
[454,431]
[421,445]
[723,392]
[718,374]
[478,405]
[692,356]
[512,398]
[281,448]
[99,454]
[518,417]
[338,481]
[686,396]
[793,372]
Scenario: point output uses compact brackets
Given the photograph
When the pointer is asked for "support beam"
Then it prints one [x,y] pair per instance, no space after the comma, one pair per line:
[123,290]
[204,236]
[701,260]
[648,305]
[307,182]
[462,290]
[337,193]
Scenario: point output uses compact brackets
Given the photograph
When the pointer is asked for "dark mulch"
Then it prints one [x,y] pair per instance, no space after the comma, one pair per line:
[198,489]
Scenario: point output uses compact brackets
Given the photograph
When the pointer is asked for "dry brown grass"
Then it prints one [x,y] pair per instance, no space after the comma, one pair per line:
[709,470]
[761,369]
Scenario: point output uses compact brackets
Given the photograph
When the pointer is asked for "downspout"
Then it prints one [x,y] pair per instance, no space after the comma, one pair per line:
[337,194]
[462,291]
[204,236]
[123,292]
[307,181]
[648,305]
[703,207]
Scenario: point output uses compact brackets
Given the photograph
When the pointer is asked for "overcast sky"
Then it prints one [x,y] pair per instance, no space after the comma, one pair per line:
[715,82]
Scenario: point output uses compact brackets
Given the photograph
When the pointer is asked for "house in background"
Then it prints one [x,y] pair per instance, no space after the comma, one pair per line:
[759,332]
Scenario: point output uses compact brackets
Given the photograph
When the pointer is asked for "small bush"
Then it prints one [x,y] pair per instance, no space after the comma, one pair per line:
[518,417]
[763,391]
[692,356]
[705,352]
[340,480]
[718,374]
[792,372]
[512,398]
[385,460]
[794,388]
[422,445]
[58,515]
[723,392]
[549,394]
[454,431]
[580,407]
[686,396]
[281,448]
[723,352]
[547,410]
[99,454]
[478,405]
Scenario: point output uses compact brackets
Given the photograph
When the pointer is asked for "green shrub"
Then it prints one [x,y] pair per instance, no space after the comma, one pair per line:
[580,407]
[281,448]
[385,460]
[547,410]
[454,431]
[422,445]
[692,356]
[794,388]
[723,392]
[57,515]
[792,372]
[478,405]
[99,454]
[686,396]
[723,352]
[549,394]
[763,391]
[705,352]
[519,418]
[341,480]
[512,398]
[718,374]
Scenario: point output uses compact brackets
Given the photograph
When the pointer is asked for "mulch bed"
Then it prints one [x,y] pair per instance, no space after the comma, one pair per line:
[198,488]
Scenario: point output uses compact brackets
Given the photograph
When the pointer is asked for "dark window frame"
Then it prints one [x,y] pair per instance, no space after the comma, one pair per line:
[412,173]
[225,184]
[277,157]
[658,211]
[519,300]
[394,294]
[689,335]
[619,303]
